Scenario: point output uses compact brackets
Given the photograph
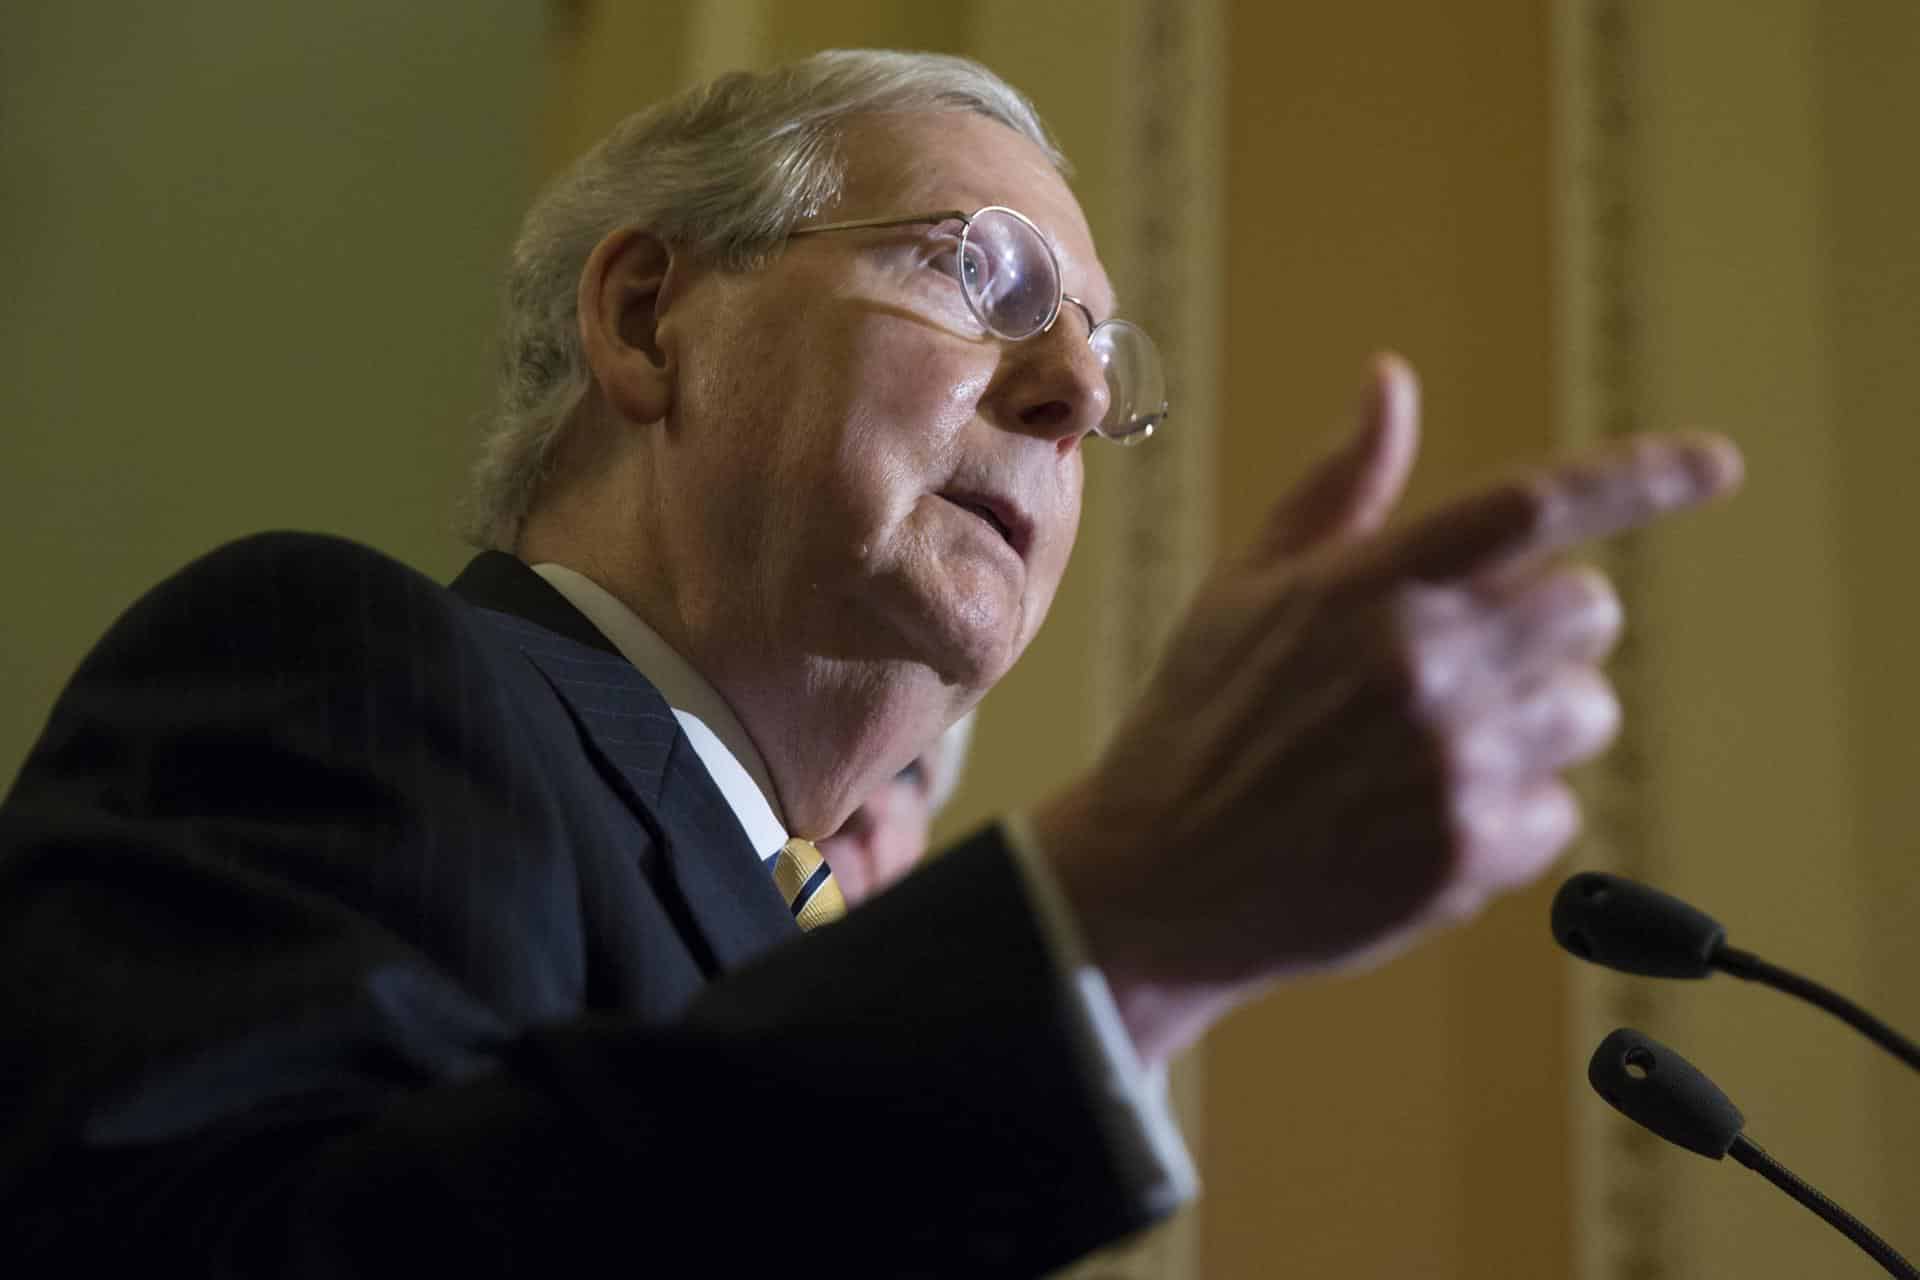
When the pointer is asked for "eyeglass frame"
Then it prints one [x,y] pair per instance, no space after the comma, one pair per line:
[1061,297]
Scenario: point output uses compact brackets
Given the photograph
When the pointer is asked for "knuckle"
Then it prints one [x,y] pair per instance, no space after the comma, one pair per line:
[1606,615]
[1557,822]
[1422,662]
[1478,748]
[1573,612]
[1425,674]
[1474,822]
[1509,838]
[1593,593]
[1605,716]
[1591,710]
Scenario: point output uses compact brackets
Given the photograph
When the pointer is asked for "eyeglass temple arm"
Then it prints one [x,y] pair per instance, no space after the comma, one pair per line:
[859,224]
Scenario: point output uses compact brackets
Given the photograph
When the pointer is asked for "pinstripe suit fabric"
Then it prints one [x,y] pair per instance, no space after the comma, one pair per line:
[349,926]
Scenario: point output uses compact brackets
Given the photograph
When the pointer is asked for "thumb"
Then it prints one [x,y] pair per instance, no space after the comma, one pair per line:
[1350,493]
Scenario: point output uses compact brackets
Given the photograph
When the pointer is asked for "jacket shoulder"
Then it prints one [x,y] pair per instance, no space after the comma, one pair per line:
[271,594]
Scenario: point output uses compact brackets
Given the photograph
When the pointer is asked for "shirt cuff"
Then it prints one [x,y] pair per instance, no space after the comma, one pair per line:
[1131,1098]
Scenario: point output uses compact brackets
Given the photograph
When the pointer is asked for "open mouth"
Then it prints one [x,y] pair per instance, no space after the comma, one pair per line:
[1002,521]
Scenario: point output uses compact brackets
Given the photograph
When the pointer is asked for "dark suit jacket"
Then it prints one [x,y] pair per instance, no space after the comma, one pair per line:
[353,927]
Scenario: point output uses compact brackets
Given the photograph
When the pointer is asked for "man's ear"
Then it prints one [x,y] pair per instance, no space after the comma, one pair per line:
[623,291]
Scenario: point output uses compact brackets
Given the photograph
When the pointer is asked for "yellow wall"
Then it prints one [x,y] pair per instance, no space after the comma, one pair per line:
[1869,60]
[250,255]
[1780,274]
[1388,187]
[1391,184]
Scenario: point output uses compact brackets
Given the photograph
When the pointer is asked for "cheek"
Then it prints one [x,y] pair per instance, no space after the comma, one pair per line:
[1054,549]
[779,416]
[907,408]
[916,386]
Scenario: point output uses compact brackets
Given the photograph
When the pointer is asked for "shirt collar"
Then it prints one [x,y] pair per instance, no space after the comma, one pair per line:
[713,731]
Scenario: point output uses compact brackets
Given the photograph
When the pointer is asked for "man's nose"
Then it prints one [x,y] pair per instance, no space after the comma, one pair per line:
[1055,386]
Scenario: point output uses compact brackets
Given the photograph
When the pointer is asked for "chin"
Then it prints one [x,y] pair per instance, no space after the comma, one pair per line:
[968,633]
[971,648]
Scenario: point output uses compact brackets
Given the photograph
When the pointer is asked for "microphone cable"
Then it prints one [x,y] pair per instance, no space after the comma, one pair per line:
[1622,924]
[1745,964]
[1662,1092]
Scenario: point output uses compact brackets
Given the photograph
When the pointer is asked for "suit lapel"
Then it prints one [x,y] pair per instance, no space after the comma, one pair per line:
[623,719]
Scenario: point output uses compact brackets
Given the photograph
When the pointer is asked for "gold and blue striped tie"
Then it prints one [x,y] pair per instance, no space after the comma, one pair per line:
[806,882]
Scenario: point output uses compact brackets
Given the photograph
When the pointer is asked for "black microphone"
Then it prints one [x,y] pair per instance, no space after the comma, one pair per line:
[1635,928]
[1658,1089]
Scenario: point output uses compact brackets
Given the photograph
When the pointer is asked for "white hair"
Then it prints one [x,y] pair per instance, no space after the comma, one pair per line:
[725,172]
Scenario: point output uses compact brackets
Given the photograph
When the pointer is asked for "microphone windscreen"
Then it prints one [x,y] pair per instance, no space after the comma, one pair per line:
[1655,1087]
[1629,926]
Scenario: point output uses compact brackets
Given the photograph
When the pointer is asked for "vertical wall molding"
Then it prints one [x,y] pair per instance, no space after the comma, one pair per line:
[1158,498]
[1621,1198]
[1157,504]
[1156,514]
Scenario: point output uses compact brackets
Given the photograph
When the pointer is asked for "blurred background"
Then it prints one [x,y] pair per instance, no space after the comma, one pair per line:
[247,266]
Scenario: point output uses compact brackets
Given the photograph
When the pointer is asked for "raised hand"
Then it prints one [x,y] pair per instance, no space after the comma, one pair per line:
[1357,735]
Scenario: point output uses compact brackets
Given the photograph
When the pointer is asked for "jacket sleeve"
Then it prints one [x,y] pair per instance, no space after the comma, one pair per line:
[290,985]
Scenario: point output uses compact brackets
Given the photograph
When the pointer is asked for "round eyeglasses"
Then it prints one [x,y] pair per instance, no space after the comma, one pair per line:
[1011,278]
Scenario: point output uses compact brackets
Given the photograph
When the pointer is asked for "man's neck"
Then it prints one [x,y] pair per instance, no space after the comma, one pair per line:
[833,732]
[815,735]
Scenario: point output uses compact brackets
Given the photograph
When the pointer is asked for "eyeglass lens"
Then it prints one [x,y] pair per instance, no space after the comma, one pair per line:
[1013,284]
[1009,274]
[1136,387]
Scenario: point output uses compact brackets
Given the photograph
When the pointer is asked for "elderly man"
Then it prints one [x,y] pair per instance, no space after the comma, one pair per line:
[352,926]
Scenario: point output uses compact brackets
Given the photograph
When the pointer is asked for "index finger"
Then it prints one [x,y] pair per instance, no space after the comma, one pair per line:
[1541,513]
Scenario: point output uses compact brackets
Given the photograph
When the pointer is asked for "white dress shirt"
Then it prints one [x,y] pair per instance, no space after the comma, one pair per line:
[1131,1099]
